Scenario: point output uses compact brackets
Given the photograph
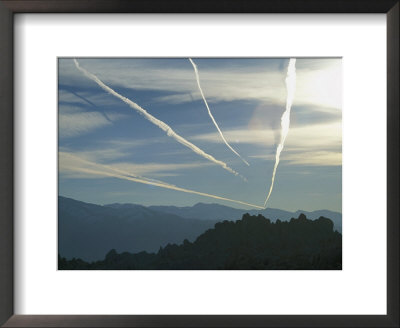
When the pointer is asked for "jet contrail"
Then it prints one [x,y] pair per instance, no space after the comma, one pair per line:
[196,72]
[163,126]
[138,179]
[110,168]
[285,119]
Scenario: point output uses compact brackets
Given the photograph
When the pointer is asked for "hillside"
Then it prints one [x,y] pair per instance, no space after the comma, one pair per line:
[252,243]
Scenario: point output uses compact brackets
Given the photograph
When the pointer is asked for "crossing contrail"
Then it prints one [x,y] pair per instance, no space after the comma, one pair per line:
[162,125]
[285,119]
[98,169]
[196,72]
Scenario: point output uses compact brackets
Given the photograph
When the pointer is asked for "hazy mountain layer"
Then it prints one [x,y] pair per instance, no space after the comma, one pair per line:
[253,243]
[221,212]
[89,231]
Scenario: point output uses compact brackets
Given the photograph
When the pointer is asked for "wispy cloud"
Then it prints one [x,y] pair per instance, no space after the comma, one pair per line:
[101,155]
[72,125]
[318,144]
[116,151]
[320,136]
[126,144]
[75,166]
[315,157]
[298,137]
[319,85]
[84,98]
[76,122]
[113,159]
[159,169]
[318,158]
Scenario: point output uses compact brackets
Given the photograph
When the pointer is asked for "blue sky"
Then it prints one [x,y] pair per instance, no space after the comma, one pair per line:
[105,146]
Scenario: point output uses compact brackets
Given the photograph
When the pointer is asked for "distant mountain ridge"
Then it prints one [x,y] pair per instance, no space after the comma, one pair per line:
[251,243]
[219,212]
[88,231]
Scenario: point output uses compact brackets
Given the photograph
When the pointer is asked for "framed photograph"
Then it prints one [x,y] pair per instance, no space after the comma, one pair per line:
[102,146]
[213,164]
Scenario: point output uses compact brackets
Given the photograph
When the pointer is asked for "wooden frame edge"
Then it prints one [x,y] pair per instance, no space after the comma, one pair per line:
[9,7]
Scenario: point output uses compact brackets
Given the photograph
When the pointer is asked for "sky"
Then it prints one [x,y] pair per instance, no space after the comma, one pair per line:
[142,133]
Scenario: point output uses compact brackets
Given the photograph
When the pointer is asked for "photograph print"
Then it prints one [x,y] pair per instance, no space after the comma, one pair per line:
[200,163]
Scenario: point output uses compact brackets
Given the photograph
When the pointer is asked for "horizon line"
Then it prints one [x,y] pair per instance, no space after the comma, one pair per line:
[252,209]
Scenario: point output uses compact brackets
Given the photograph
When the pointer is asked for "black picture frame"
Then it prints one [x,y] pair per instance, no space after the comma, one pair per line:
[10,7]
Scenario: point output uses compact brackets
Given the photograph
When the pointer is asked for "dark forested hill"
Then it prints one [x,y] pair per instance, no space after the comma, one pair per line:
[251,243]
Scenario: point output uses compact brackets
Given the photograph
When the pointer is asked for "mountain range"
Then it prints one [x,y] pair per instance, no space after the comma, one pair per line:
[219,212]
[251,243]
[88,231]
